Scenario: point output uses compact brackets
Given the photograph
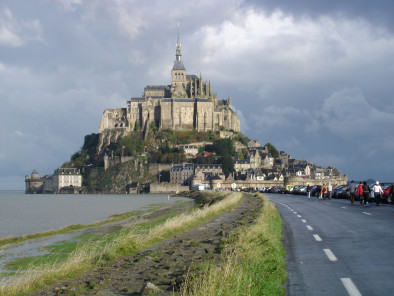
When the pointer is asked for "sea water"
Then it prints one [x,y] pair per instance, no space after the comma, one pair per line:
[22,213]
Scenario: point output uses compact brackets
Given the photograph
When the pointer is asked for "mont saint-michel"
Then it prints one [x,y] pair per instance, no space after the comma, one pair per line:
[188,103]
[175,137]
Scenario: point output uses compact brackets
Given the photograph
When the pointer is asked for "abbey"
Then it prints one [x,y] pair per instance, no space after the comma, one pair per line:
[187,103]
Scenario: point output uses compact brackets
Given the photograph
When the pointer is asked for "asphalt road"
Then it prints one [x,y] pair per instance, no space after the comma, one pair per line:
[334,248]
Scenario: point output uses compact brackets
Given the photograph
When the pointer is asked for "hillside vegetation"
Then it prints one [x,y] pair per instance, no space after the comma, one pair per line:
[158,147]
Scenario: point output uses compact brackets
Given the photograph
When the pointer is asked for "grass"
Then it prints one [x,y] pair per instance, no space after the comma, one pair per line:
[67,229]
[100,252]
[61,250]
[253,262]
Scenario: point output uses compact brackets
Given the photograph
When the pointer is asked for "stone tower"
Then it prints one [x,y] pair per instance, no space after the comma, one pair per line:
[178,74]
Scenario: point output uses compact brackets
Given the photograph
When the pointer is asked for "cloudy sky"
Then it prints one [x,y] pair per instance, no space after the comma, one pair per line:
[315,80]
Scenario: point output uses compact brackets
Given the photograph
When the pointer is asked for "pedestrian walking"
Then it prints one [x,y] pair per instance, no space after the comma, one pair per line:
[366,192]
[329,189]
[360,192]
[377,191]
[323,192]
[308,191]
[351,189]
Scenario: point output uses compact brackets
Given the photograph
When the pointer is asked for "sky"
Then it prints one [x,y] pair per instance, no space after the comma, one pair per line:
[314,78]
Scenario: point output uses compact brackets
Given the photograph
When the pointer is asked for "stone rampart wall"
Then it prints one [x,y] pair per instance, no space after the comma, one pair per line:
[112,161]
[252,183]
[155,168]
[334,181]
[167,188]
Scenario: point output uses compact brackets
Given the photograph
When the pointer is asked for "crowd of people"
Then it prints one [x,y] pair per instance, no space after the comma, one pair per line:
[363,191]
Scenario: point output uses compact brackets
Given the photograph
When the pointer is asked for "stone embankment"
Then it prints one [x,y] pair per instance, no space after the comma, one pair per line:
[161,269]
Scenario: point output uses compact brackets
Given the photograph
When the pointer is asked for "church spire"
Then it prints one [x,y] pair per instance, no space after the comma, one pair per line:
[178,64]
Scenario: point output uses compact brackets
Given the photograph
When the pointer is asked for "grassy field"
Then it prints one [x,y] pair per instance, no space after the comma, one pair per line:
[100,251]
[253,261]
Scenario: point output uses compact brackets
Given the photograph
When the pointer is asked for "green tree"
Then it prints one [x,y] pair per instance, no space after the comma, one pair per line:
[224,146]
[272,150]
[227,164]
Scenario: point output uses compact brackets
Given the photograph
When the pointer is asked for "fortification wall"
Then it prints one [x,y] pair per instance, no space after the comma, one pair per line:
[112,161]
[167,188]
[252,183]
[334,181]
[155,168]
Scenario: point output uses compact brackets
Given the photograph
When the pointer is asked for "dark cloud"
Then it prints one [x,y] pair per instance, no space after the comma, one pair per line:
[311,78]
[379,11]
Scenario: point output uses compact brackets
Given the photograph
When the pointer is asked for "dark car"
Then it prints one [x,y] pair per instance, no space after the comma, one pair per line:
[316,190]
[342,192]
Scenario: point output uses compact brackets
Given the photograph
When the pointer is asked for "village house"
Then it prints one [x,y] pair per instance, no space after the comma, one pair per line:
[182,174]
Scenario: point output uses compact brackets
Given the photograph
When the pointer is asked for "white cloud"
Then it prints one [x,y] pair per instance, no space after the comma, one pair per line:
[71,5]
[14,32]
[273,117]
[281,47]
[18,133]
[348,114]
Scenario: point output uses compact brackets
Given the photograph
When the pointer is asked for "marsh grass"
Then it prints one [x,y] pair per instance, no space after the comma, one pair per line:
[253,262]
[67,229]
[101,252]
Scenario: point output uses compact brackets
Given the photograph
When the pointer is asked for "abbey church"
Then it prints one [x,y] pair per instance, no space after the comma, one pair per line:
[187,103]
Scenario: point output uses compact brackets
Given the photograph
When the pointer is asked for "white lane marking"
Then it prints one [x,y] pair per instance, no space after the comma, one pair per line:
[330,255]
[299,216]
[309,227]
[350,287]
[317,237]
[344,208]
[366,213]
[303,220]
[295,213]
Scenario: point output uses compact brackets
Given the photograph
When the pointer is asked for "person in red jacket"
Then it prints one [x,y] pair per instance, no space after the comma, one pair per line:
[360,192]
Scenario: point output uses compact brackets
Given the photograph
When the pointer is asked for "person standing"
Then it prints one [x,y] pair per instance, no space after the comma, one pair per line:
[366,192]
[377,191]
[308,191]
[360,192]
[329,189]
[323,191]
[351,189]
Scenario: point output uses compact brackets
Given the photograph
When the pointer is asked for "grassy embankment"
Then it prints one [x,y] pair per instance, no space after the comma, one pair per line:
[253,256]
[61,250]
[253,262]
[101,252]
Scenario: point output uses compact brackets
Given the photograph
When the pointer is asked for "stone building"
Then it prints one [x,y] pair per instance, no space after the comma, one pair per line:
[208,174]
[34,184]
[182,174]
[66,177]
[190,150]
[187,103]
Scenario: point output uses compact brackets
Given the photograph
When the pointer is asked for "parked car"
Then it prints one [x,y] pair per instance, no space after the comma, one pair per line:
[302,190]
[386,193]
[342,192]
[315,191]
[297,189]
[336,190]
